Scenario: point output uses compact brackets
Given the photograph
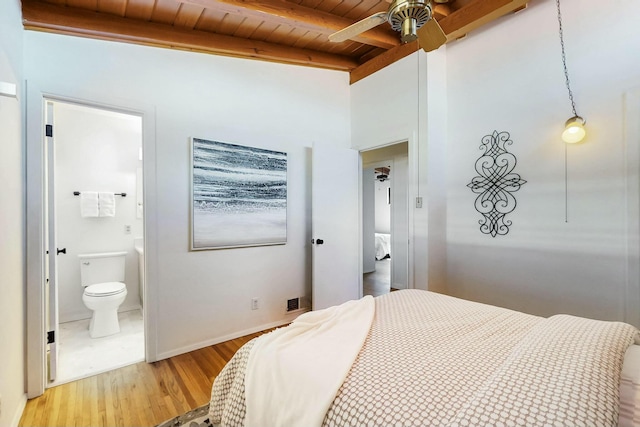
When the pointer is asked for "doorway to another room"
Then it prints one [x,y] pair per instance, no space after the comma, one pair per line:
[94,208]
[385,219]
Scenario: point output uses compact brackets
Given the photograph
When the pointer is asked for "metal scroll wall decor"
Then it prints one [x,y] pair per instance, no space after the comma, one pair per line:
[495,184]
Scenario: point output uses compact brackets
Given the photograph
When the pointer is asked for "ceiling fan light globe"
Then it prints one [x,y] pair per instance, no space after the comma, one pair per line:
[574,130]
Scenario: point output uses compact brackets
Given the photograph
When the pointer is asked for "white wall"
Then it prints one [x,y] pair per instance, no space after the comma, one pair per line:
[96,150]
[12,247]
[204,297]
[384,109]
[393,106]
[508,77]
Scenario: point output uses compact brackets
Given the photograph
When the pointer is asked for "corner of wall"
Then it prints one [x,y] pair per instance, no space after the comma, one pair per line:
[15,421]
[12,226]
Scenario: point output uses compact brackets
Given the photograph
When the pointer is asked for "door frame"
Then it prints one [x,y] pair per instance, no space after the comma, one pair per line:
[36,252]
[412,191]
[51,246]
[630,297]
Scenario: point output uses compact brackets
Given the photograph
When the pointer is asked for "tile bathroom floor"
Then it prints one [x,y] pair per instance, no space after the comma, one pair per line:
[80,356]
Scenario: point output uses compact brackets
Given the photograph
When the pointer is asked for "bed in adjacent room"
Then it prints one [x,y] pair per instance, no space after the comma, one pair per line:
[383,246]
[417,358]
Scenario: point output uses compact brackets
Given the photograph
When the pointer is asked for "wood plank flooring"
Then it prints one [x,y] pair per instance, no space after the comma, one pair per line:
[378,282]
[144,394]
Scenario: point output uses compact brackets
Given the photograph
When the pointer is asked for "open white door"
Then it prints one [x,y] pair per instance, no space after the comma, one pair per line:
[51,271]
[336,276]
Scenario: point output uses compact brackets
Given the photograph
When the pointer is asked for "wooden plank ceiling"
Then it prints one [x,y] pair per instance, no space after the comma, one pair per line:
[286,31]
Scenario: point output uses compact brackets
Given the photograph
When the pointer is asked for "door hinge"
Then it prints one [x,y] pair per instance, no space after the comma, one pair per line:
[51,337]
[48,130]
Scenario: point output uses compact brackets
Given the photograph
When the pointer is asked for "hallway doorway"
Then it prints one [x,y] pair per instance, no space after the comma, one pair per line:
[385,219]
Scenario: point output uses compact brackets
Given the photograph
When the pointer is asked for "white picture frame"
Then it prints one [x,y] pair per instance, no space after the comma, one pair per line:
[238,195]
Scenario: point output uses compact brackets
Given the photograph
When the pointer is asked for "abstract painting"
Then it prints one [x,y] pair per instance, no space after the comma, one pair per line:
[238,195]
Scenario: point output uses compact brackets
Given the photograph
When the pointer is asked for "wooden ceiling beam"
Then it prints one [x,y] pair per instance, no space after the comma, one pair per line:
[65,20]
[297,16]
[475,14]
[382,60]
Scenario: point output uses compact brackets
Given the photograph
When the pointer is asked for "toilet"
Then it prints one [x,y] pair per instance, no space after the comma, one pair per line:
[102,276]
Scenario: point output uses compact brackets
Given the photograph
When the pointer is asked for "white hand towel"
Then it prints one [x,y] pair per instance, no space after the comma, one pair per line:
[107,204]
[89,204]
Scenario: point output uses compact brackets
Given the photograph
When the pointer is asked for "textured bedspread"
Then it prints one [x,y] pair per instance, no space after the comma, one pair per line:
[433,360]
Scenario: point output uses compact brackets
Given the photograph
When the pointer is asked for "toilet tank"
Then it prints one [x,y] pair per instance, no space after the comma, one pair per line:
[102,267]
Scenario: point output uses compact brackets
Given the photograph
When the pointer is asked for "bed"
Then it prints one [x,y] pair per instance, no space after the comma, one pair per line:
[417,358]
[383,246]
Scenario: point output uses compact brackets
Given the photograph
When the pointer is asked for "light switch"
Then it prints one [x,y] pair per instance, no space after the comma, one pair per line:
[8,89]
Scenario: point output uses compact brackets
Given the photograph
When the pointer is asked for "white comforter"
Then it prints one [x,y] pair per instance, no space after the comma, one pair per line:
[294,373]
[434,360]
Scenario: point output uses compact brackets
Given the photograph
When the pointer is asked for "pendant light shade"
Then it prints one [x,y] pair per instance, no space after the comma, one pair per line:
[574,130]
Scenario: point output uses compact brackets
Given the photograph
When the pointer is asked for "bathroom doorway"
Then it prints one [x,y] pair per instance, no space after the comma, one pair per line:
[92,150]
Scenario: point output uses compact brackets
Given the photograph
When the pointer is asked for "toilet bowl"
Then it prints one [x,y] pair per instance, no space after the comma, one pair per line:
[104,299]
[102,276]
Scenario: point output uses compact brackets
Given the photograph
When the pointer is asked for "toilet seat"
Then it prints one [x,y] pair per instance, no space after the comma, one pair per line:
[105,289]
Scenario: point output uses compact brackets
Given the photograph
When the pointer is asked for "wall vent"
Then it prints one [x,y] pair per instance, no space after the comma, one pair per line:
[298,305]
[293,304]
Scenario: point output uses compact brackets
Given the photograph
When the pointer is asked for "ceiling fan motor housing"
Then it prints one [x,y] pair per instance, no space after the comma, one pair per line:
[407,16]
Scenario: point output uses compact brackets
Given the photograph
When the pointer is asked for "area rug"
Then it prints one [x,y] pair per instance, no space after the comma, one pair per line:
[198,417]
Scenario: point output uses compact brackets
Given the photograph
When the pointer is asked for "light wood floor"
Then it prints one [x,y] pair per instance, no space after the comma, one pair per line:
[144,394]
[378,282]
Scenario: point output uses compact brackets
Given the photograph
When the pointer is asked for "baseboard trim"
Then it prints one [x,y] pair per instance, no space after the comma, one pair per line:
[19,410]
[218,340]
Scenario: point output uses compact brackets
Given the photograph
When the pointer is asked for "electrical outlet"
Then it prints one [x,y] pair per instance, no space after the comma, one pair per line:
[418,202]
[127,229]
[254,303]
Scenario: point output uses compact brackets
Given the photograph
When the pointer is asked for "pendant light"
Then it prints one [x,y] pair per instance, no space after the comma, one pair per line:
[574,130]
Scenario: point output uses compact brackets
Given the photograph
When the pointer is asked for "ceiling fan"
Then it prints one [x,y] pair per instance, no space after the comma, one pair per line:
[413,18]
[382,173]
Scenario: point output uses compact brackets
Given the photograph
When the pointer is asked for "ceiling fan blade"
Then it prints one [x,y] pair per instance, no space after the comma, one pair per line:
[431,36]
[358,27]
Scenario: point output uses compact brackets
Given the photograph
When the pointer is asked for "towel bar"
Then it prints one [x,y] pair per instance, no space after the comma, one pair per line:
[77,193]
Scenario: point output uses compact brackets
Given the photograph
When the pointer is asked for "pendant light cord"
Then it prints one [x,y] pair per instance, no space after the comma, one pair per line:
[566,187]
[573,107]
[564,60]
